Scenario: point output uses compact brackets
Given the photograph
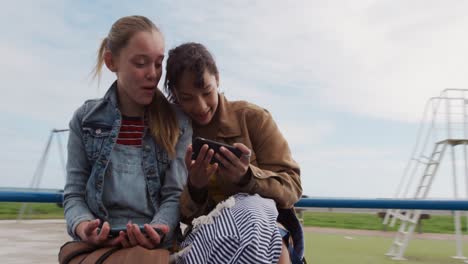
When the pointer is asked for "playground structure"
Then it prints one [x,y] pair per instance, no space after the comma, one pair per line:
[444,127]
[39,172]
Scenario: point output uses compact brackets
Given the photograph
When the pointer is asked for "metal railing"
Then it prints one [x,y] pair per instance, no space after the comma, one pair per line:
[446,205]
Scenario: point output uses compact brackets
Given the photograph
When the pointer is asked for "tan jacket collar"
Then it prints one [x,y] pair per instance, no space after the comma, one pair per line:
[229,125]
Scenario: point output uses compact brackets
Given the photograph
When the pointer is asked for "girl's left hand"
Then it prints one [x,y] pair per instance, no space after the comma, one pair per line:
[232,167]
[150,240]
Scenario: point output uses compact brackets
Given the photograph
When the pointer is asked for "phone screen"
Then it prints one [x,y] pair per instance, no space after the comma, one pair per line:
[214,145]
[115,231]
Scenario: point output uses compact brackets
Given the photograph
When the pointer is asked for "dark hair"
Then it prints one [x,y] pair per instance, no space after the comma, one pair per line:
[191,57]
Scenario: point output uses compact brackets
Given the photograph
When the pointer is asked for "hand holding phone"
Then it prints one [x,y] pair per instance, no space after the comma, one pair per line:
[115,231]
[215,146]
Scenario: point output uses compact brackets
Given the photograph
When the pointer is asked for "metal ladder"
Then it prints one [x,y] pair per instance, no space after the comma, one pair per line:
[392,215]
[410,218]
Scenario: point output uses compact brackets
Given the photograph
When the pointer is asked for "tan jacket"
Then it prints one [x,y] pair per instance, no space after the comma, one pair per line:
[273,172]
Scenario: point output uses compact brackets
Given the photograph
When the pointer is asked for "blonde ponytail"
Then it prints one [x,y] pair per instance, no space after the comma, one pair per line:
[163,123]
[97,71]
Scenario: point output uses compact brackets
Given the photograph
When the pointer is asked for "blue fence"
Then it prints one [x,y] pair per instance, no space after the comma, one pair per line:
[458,205]
[31,196]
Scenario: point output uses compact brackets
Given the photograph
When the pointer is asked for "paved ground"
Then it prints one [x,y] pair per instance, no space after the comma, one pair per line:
[31,241]
[38,241]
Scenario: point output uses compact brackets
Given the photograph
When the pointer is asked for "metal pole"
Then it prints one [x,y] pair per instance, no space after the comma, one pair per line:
[61,153]
[465,162]
[458,235]
[38,173]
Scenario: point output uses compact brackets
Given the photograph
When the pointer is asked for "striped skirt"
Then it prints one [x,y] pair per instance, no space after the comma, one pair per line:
[241,229]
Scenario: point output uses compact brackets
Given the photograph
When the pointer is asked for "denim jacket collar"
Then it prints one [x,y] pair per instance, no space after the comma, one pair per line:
[111,95]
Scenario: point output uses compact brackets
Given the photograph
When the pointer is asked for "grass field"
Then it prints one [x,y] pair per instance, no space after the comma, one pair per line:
[436,224]
[333,248]
[32,211]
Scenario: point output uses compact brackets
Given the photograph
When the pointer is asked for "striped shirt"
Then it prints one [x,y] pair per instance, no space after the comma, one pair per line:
[241,230]
[131,131]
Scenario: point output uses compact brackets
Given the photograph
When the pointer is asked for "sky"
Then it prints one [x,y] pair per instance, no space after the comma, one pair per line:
[346,81]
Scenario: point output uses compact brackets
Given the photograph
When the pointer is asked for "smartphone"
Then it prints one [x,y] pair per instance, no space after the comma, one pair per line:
[198,142]
[115,231]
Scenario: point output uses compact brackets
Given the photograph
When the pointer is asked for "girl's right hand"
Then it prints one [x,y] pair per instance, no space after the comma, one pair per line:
[200,170]
[89,232]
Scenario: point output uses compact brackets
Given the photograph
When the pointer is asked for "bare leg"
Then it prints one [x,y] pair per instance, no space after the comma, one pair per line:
[284,257]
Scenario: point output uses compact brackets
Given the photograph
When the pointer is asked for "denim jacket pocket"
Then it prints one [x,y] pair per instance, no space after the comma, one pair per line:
[93,139]
[163,162]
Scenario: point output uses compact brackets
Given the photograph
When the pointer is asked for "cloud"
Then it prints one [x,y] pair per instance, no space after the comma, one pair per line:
[45,71]
[351,171]
[302,60]
[374,58]
[399,60]
[369,58]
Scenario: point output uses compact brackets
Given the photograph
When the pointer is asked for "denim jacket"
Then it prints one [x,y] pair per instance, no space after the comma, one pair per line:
[94,129]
